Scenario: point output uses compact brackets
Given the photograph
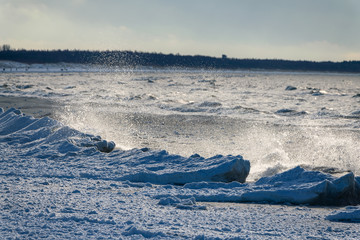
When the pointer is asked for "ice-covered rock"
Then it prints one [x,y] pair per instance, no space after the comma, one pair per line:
[290,88]
[105,146]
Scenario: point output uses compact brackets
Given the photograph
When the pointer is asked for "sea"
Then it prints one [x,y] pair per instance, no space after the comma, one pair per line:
[275,119]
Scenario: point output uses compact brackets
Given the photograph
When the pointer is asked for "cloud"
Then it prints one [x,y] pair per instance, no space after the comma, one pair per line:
[306,29]
[352,56]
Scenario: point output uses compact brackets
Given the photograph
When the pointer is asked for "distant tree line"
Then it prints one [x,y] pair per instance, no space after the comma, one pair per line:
[134,58]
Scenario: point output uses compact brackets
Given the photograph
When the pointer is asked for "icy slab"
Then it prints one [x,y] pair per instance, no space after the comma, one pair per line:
[349,214]
[162,168]
[54,150]
[298,186]
[295,186]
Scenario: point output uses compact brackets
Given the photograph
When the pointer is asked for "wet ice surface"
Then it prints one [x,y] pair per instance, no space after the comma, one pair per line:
[68,189]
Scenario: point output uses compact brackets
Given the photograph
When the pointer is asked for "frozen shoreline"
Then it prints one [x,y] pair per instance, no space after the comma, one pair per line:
[55,186]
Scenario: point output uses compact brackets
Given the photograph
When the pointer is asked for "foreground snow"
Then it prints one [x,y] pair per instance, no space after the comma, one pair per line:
[55,183]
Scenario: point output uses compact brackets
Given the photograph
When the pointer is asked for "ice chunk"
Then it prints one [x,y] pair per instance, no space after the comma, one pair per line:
[290,112]
[349,214]
[186,204]
[142,233]
[298,186]
[187,170]
[210,104]
[290,88]
[16,128]
[105,146]
[356,112]
[295,186]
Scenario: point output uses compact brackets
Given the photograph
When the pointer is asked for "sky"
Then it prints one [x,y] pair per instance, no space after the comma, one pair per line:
[317,30]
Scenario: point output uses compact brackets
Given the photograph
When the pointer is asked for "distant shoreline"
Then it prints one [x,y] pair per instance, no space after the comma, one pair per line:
[7,66]
[159,60]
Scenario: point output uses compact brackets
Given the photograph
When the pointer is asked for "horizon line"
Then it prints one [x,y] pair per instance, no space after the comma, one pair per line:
[178,54]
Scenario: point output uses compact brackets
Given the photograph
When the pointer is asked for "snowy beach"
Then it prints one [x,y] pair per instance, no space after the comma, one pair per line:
[199,154]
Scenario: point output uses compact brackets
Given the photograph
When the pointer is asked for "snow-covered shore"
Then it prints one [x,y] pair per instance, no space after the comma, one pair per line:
[55,183]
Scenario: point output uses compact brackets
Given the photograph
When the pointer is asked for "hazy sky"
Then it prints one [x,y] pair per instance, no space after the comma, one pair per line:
[288,29]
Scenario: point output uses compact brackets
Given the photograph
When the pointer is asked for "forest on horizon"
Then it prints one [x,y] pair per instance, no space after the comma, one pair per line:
[135,58]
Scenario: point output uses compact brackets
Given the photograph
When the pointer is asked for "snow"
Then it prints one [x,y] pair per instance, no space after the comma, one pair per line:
[56,182]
